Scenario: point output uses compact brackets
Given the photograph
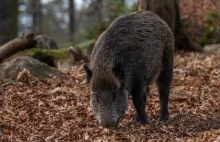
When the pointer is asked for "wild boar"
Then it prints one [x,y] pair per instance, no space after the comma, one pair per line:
[135,50]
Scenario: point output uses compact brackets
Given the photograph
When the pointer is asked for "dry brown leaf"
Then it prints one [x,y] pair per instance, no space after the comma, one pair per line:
[58,109]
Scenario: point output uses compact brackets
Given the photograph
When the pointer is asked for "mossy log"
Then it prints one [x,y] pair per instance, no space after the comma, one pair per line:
[48,56]
[63,59]
[15,45]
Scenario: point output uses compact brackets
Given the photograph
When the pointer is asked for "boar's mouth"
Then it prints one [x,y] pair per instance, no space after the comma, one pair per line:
[108,122]
[109,125]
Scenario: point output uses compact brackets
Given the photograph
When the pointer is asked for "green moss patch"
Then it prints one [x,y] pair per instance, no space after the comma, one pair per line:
[57,54]
[210,30]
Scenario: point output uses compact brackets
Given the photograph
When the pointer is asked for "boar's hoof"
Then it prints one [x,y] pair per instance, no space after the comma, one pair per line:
[164,118]
[144,121]
[136,118]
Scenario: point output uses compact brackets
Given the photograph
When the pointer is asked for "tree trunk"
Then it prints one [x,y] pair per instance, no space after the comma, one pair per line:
[8,17]
[142,5]
[72,17]
[114,9]
[169,11]
[99,6]
[36,16]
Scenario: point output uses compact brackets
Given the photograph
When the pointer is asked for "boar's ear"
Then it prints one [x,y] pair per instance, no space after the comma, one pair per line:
[118,70]
[88,73]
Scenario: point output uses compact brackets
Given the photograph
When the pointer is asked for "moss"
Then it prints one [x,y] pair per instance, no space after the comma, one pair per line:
[207,38]
[211,17]
[210,29]
[57,54]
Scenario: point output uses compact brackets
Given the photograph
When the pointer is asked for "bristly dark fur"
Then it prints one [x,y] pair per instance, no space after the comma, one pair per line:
[134,51]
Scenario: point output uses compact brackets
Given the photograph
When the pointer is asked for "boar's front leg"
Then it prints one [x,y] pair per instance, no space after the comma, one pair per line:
[139,101]
[136,117]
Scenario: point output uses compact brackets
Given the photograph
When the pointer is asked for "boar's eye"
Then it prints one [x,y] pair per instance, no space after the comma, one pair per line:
[114,96]
[119,73]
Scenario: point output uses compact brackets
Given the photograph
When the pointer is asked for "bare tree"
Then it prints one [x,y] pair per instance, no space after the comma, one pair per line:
[115,8]
[8,16]
[72,17]
[169,11]
[36,16]
[99,6]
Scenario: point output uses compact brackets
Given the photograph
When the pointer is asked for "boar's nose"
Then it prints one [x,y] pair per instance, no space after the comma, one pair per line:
[109,122]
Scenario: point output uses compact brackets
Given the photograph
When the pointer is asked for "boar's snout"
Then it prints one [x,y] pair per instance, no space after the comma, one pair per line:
[108,122]
[108,110]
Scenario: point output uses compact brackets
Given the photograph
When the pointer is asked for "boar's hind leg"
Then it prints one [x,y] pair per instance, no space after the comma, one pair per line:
[163,83]
[139,101]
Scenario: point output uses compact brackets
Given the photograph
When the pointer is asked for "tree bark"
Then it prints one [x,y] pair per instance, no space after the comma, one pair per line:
[99,6]
[142,5]
[169,11]
[72,17]
[36,16]
[17,44]
[8,17]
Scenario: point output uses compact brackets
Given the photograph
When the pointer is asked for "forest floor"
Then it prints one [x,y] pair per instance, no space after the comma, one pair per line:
[58,109]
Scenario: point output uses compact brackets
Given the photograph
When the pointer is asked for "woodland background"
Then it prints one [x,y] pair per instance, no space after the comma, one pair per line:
[74,22]
[43,93]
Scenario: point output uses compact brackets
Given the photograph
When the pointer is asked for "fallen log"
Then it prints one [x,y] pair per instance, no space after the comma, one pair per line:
[18,44]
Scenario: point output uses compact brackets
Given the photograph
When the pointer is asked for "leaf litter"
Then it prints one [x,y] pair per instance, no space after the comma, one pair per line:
[58,109]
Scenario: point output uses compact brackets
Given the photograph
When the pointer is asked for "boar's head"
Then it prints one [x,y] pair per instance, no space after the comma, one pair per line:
[109,99]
